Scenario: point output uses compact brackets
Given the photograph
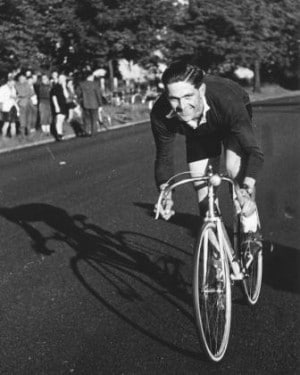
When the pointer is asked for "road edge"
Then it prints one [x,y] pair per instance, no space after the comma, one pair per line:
[120,126]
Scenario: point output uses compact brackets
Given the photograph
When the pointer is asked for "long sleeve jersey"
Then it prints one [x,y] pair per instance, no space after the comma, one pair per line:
[227,115]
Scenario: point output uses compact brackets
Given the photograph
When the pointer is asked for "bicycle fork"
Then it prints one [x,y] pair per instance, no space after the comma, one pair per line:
[225,243]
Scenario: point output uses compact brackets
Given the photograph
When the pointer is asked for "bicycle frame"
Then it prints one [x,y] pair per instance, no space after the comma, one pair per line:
[217,263]
[213,214]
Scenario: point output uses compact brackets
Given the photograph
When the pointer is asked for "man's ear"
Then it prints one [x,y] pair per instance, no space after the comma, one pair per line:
[202,89]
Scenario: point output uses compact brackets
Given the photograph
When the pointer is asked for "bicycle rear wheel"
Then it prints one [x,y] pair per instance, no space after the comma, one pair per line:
[253,279]
[212,293]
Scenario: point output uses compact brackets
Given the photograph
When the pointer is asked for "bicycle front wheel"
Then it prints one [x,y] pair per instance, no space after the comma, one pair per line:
[212,293]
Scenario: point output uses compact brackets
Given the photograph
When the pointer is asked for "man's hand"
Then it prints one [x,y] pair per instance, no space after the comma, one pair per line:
[248,203]
[165,209]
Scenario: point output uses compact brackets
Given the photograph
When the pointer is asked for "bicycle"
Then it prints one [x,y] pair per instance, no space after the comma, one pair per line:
[218,263]
[104,119]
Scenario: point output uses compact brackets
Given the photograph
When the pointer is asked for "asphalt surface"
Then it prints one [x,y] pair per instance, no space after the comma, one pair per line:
[91,284]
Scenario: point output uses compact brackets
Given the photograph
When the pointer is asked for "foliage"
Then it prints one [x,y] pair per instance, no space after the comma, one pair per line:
[227,33]
[221,34]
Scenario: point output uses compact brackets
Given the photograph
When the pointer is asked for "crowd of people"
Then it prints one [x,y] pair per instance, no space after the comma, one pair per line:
[30,101]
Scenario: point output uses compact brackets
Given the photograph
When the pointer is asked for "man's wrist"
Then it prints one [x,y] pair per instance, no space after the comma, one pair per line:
[248,185]
[247,189]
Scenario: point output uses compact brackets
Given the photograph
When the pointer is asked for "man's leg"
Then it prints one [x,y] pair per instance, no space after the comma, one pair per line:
[94,113]
[22,118]
[60,118]
[233,163]
[198,168]
[28,118]
[251,239]
[87,120]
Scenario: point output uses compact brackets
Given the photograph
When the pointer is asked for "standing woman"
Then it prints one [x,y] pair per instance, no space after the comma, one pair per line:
[59,95]
[8,99]
[44,104]
[72,99]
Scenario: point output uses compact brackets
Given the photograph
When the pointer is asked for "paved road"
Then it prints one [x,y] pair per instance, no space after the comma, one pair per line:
[91,284]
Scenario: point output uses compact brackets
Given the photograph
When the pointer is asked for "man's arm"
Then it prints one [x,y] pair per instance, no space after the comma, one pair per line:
[241,127]
[164,142]
[79,95]
[98,94]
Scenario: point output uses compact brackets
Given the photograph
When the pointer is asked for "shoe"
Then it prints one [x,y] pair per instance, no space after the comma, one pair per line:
[59,137]
[250,246]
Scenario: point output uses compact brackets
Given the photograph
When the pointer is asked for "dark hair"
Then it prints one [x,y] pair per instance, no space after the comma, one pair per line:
[180,71]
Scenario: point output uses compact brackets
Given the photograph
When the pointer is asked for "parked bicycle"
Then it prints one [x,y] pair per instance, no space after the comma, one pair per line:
[219,262]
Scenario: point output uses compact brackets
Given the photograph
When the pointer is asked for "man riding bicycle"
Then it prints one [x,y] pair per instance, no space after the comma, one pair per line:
[210,111]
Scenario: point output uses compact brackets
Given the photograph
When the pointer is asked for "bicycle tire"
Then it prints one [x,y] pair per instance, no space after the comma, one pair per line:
[212,293]
[253,281]
[106,121]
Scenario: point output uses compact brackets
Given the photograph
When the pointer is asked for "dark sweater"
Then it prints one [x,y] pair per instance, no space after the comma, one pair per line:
[43,91]
[227,115]
[89,95]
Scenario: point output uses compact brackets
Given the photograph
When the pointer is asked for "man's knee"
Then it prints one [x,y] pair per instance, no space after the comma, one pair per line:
[233,164]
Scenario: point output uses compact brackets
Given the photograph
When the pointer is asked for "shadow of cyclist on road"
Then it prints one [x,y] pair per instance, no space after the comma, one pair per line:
[129,265]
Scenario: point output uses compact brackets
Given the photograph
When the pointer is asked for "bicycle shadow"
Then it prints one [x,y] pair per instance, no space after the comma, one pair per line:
[129,264]
[185,220]
[281,267]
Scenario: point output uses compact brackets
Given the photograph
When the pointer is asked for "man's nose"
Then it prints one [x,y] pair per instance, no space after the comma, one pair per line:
[180,105]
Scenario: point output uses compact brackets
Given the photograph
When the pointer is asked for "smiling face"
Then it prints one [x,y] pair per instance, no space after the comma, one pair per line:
[186,100]
[45,79]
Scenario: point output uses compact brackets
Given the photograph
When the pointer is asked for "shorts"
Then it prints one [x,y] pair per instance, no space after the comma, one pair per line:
[11,116]
[210,146]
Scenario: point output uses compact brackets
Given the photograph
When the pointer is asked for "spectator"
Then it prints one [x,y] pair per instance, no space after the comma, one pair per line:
[25,92]
[8,100]
[54,77]
[44,104]
[90,99]
[59,95]
[32,81]
[71,100]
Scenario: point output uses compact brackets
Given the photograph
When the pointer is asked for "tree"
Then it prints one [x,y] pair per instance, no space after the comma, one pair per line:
[123,28]
[268,35]
[29,31]
[16,42]
[251,33]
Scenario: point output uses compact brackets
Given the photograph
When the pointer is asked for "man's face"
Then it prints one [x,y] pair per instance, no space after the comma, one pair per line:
[62,79]
[22,79]
[185,100]
[45,79]
[54,76]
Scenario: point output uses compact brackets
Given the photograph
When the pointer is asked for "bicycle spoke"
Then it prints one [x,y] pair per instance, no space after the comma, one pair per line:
[252,283]
[213,298]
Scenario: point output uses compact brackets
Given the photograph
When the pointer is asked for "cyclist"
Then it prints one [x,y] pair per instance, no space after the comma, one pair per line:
[210,111]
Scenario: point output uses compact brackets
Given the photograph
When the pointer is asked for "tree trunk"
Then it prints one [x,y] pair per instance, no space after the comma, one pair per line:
[257,85]
[111,74]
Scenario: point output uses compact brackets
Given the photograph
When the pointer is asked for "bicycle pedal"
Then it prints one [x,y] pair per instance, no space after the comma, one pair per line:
[238,276]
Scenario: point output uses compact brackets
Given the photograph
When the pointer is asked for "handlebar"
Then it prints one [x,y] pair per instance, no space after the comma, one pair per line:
[212,179]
